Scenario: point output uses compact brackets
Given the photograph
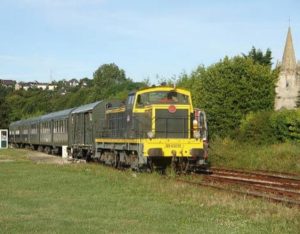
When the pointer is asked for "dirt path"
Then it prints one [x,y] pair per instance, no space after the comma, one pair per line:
[40,157]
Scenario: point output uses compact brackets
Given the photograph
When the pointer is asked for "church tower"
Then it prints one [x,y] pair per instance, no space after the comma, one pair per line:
[288,85]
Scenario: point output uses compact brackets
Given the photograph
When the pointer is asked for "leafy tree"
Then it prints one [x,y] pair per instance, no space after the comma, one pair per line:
[4,107]
[259,57]
[108,79]
[86,82]
[193,83]
[4,113]
[230,89]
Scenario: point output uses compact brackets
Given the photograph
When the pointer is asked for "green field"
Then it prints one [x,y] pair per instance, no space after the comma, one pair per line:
[88,198]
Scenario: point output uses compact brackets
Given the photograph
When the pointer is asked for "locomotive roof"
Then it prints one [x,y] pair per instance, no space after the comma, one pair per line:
[56,115]
[86,107]
[163,88]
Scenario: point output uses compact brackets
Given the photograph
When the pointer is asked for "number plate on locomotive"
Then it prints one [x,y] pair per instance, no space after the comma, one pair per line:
[173,145]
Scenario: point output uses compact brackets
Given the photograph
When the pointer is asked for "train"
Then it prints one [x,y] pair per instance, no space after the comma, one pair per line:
[154,128]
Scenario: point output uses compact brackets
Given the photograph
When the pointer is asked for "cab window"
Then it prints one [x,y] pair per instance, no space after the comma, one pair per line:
[130,100]
[161,97]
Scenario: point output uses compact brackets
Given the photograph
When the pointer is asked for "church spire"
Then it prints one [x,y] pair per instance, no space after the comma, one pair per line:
[289,63]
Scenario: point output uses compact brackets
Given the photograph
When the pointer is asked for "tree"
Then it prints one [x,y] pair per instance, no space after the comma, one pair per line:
[259,57]
[193,83]
[4,114]
[4,107]
[86,82]
[108,79]
[230,89]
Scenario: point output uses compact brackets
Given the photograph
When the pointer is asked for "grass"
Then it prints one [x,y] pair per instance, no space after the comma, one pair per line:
[283,157]
[86,198]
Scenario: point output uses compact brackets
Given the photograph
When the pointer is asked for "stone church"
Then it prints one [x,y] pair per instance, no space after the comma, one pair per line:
[288,85]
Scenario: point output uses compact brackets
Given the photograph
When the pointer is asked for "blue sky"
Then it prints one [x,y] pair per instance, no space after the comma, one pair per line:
[66,39]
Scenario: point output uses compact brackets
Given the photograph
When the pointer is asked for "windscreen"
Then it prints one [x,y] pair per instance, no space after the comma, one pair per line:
[161,97]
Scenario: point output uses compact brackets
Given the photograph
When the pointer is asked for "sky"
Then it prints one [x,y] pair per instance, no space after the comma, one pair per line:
[48,40]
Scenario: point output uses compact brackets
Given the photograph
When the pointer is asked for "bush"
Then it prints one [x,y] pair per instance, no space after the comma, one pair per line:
[270,127]
[256,127]
[286,125]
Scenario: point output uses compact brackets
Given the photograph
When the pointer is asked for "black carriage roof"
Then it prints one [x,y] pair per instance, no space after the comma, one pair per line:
[25,121]
[85,108]
[16,123]
[56,115]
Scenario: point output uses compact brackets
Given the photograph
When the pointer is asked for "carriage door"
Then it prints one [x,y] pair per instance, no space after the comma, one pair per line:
[80,129]
[88,129]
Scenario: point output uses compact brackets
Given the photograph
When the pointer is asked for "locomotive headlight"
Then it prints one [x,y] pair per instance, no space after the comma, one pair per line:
[197,134]
[151,134]
[195,124]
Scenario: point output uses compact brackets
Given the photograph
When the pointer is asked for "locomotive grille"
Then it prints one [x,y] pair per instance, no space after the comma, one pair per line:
[171,125]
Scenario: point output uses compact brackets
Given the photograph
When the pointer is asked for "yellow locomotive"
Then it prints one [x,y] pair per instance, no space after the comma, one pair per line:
[156,127]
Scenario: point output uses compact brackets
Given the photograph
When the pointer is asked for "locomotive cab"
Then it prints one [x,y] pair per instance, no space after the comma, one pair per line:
[164,111]
[174,131]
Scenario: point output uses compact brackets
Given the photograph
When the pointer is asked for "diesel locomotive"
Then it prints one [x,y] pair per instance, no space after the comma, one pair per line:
[155,127]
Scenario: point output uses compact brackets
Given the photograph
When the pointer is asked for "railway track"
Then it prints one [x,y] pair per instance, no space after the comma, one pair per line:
[278,187]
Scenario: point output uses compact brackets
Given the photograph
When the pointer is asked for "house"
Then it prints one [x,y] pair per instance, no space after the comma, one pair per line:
[73,83]
[52,86]
[27,85]
[18,86]
[8,83]
[42,86]
[36,84]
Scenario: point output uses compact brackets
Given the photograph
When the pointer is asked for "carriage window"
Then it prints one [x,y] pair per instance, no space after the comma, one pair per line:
[90,116]
[59,126]
[66,124]
[33,129]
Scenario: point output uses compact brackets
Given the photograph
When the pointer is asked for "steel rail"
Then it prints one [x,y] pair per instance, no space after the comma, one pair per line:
[287,201]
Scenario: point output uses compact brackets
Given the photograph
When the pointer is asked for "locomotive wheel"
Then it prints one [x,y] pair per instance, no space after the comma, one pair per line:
[116,161]
[150,165]
[88,156]
[185,168]
[174,166]
[40,148]
[180,165]
[47,150]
